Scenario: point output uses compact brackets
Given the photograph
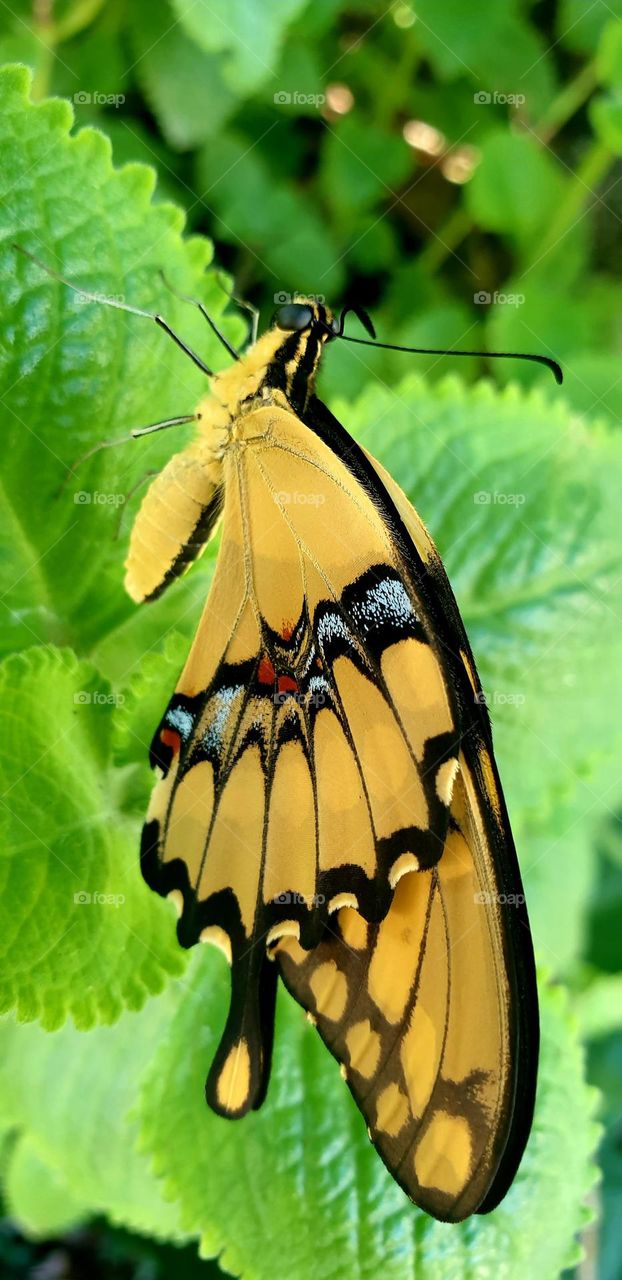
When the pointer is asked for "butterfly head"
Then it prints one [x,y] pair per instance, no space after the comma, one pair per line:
[285,358]
[306,316]
[306,326]
[287,355]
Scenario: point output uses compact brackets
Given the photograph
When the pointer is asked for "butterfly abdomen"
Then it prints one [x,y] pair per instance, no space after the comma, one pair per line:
[176,519]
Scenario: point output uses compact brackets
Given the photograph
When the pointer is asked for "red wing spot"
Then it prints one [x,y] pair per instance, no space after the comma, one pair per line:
[170,738]
[287,685]
[265,672]
[287,631]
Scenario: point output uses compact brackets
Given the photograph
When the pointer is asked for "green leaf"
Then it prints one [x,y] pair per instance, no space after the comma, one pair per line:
[132,142]
[75,373]
[249,34]
[182,82]
[609,56]
[606,119]
[593,385]
[80,932]
[603,940]
[37,1196]
[610,1198]
[21,45]
[510,165]
[496,47]
[363,165]
[529,317]
[299,81]
[120,652]
[605,1063]
[584,338]
[93,70]
[285,237]
[70,1095]
[142,706]
[580,26]
[599,1006]
[329,1194]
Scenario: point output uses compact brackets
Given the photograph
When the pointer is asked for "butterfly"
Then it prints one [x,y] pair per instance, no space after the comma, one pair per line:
[327,807]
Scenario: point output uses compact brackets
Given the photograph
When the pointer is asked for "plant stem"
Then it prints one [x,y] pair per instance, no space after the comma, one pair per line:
[457,226]
[567,102]
[43,71]
[396,90]
[80,16]
[594,165]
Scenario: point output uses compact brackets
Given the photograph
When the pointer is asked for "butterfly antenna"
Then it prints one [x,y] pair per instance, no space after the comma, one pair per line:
[553,365]
[247,306]
[120,306]
[185,297]
[360,315]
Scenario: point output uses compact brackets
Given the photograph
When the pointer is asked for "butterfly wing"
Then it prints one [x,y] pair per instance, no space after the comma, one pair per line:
[451,1116]
[495,836]
[308,754]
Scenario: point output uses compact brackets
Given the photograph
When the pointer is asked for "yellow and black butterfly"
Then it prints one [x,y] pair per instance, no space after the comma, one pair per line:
[328,806]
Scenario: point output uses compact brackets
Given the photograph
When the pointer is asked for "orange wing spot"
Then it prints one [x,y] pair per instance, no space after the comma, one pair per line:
[265,672]
[171,738]
[286,684]
[287,631]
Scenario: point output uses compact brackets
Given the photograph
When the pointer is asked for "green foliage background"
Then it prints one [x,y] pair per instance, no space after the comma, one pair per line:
[238,109]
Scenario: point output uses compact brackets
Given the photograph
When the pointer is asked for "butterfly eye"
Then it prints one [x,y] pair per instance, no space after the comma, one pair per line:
[294,316]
